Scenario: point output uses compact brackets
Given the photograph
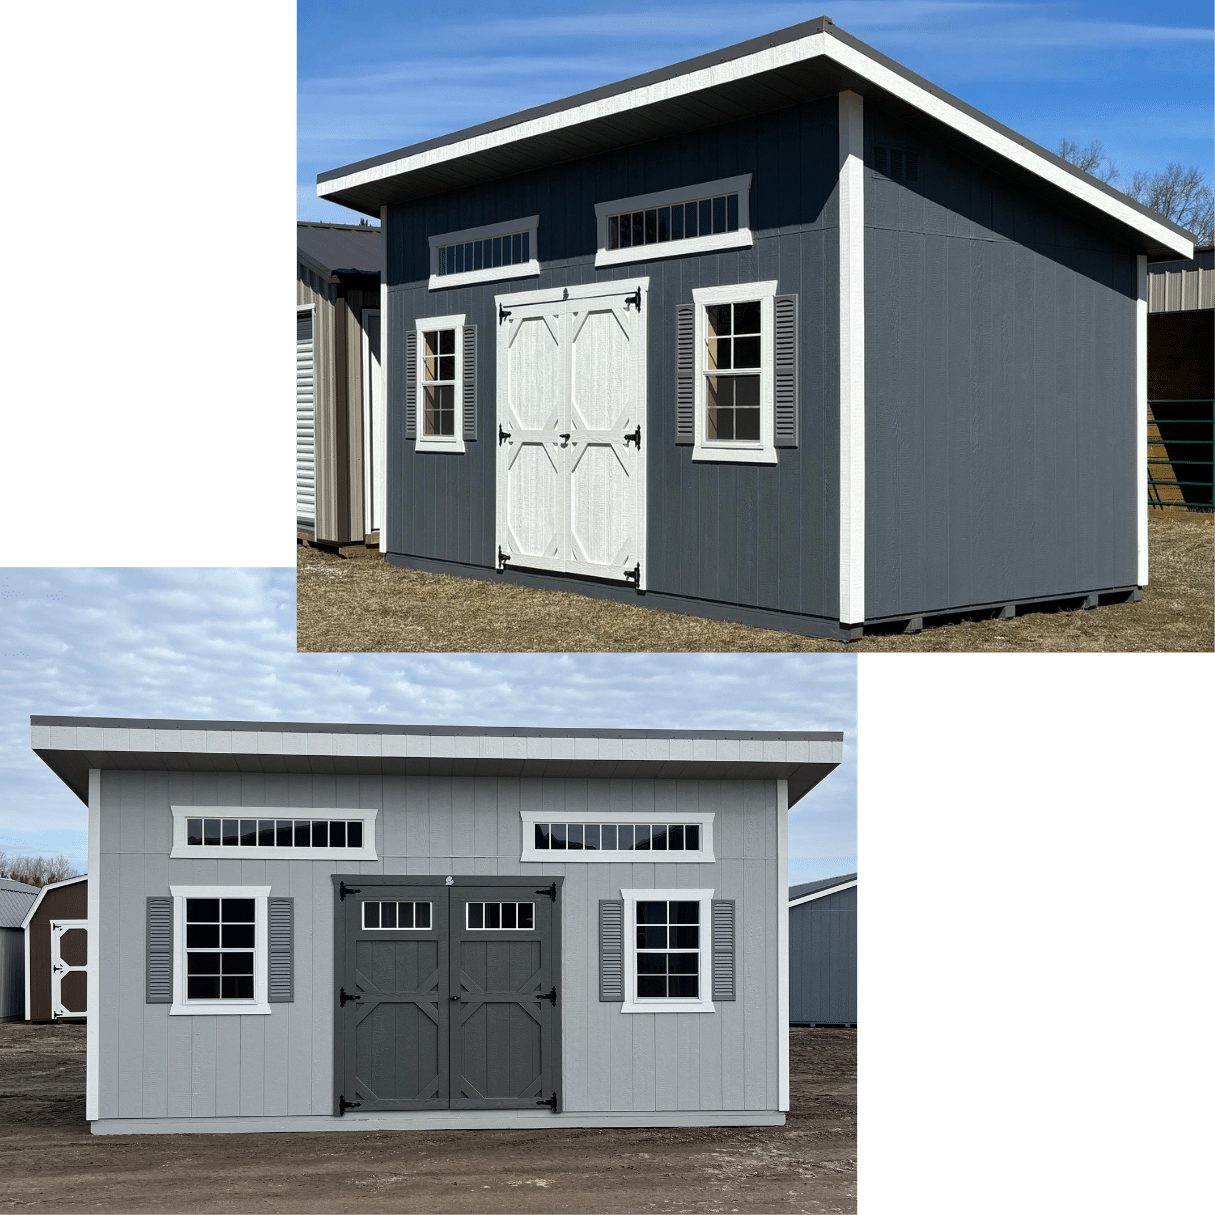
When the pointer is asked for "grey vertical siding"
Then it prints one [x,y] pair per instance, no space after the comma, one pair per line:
[756,535]
[154,1065]
[1000,392]
[822,960]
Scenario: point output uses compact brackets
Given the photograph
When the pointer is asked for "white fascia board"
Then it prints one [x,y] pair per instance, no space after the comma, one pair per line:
[822,894]
[821,45]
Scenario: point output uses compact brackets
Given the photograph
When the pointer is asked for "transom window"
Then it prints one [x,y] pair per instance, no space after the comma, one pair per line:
[512,249]
[439,382]
[501,915]
[668,950]
[618,837]
[507,249]
[732,368]
[896,163]
[609,837]
[220,940]
[654,225]
[396,914]
[274,833]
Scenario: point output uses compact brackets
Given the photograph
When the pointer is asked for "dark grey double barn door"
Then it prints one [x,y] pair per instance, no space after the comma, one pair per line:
[449,1015]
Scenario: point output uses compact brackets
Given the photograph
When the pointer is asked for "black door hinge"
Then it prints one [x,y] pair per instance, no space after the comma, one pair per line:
[344,997]
[634,299]
[344,890]
[503,435]
[344,1105]
[635,437]
[503,558]
[551,892]
[547,995]
[634,575]
[503,313]
[551,1102]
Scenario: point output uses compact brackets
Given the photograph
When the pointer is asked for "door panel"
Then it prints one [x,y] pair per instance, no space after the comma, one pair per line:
[533,522]
[69,968]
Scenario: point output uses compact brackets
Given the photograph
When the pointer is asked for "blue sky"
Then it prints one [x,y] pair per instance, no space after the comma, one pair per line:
[378,76]
[221,644]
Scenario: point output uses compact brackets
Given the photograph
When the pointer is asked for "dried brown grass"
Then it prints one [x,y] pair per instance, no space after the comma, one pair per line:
[366,605]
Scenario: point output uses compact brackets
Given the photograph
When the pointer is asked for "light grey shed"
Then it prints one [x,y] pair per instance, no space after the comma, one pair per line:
[314,927]
[822,951]
[16,898]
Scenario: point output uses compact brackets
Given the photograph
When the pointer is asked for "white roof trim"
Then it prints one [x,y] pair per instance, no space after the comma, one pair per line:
[822,894]
[29,915]
[770,58]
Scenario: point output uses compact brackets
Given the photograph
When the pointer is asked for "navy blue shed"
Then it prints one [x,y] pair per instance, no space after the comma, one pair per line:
[822,951]
[783,334]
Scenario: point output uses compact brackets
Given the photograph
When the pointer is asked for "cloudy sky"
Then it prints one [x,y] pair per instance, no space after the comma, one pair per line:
[377,76]
[220,644]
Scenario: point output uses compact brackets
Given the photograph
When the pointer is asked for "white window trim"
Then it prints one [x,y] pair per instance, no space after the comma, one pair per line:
[741,239]
[631,1003]
[616,856]
[455,441]
[259,1005]
[763,451]
[183,851]
[529,224]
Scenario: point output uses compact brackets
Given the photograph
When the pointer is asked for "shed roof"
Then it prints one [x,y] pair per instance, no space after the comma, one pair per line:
[822,884]
[813,59]
[37,902]
[16,898]
[341,248]
[70,746]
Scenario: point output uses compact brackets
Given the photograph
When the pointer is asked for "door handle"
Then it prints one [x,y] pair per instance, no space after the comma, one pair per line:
[565,438]
[454,997]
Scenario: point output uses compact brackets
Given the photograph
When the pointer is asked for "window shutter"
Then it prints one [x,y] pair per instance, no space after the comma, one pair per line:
[470,383]
[411,384]
[685,373]
[282,927]
[160,950]
[611,949]
[785,378]
[723,949]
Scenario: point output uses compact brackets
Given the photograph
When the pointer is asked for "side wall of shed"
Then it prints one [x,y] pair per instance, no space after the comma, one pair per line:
[12,974]
[822,960]
[153,1065]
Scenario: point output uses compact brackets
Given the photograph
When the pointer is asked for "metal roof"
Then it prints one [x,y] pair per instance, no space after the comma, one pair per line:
[797,892]
[787,67]
[70,746]
[341,248]
[16,898]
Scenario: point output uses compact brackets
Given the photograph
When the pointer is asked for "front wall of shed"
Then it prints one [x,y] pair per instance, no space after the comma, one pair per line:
[756,535]
[1000,390]
[66,903]
[822,960]
[153,1065]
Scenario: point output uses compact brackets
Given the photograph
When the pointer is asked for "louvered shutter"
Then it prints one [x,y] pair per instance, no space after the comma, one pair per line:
[723,949]
[305,422]
[160,950]
[785,429]
[470,382]
[685,373]
[411,384]
[611,949]
[282,931]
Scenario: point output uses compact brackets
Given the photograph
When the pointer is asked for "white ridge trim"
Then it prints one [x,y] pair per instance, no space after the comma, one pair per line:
[1141,425]
[782,945]
[822,894]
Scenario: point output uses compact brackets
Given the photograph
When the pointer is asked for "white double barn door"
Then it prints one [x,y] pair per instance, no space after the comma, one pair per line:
[571,430]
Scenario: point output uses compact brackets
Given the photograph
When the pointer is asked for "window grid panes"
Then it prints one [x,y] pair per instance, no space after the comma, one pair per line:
[732,367]
[219,949]
[618,837]
[510,250]
[395,914]
[679,221]
[501,916]
[668,950]
[274,833]
[439,382]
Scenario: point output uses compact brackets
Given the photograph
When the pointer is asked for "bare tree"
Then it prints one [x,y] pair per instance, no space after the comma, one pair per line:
[1181,194]
[1091,159]
[36,870]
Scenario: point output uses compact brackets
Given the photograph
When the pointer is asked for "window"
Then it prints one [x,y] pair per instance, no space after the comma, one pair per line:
[201,832]
[666,951]
[896,163]
[501,916]
[481,255]
[395,914]
[440,383]
[604,838]
[692,219]
[220,956]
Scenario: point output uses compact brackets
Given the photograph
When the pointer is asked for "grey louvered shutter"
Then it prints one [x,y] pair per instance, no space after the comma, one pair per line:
[411,384]
[160,950]
[723,949]
[470,383]
[785,378]
[685,373]
[611,949]
[282,932]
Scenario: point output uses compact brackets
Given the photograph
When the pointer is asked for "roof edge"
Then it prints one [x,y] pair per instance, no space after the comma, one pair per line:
[29,915]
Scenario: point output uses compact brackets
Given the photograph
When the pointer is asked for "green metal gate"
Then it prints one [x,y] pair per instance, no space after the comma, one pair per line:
[1180,442]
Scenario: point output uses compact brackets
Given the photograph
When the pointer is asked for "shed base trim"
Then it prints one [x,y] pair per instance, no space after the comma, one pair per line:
[429,1120]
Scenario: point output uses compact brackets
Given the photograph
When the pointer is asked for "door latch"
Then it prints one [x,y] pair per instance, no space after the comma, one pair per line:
[344,997]
[564,439]
[456,997]
[503,435]
[635,437]
[546,995]
[503,558]
[634,575]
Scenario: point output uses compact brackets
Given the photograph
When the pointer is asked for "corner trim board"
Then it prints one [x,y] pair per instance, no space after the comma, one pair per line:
[1141,426]
[92,1033]
[782,945]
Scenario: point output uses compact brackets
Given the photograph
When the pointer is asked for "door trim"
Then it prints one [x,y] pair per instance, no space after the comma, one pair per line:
[374,461]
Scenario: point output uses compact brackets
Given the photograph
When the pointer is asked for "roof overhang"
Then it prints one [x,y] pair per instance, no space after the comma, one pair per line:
[794,65]
[29,915]
[71,746]
[822,894]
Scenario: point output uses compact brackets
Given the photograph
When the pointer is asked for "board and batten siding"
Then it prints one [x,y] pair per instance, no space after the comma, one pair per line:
[156,1065]
[822,959]
[1000,389]
[754,535]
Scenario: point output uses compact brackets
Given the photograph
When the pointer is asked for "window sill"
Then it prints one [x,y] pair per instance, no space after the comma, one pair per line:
[455,445]
[221,1008]
[741,239]
[735,455]
[668,1006]
[493,274]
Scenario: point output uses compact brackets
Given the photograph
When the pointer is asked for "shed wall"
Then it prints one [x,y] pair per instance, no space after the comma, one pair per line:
[153,1065]
[66,903]
[12,974]
[822,960]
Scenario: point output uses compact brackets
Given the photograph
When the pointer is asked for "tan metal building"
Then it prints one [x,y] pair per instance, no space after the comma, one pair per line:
[56,952]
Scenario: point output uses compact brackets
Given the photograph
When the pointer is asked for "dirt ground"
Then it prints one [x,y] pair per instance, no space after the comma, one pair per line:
[363,604]
[52,1163]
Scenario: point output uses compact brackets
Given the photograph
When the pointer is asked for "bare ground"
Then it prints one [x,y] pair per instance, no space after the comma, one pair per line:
[364,604]
[53,1163]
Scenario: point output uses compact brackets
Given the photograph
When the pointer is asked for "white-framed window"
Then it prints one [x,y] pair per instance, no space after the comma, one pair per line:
[440,384]
[667,951]
[734,373]
[500,917]
[220,950]
[692,219]
[485,254]
[281,833]
[397,915]
[620,836]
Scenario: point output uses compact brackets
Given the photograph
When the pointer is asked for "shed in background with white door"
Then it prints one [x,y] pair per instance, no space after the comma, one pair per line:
[57,952]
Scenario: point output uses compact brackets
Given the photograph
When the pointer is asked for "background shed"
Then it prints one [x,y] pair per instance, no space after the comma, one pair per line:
[822,951]
[16,898]
[56,951]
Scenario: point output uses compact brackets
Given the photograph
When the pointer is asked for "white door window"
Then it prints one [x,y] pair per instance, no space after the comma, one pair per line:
[373,424]
[571,431]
